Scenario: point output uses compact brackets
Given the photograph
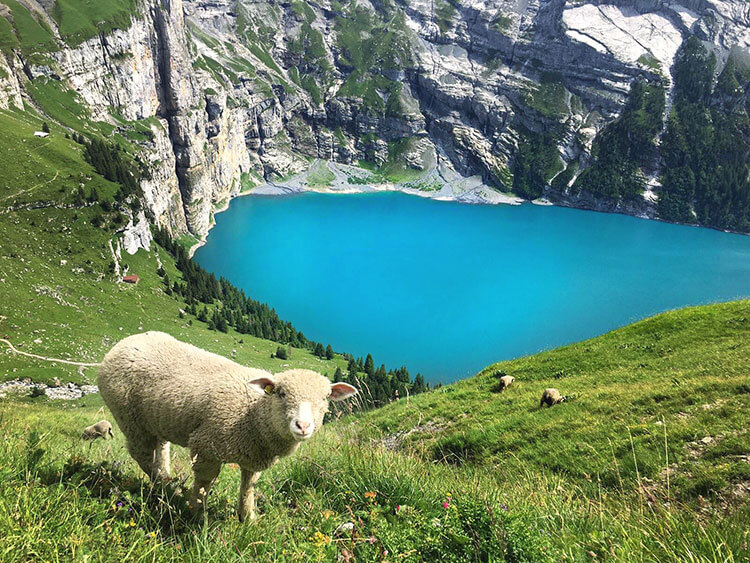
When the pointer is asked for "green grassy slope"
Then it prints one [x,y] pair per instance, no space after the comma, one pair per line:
[59,297]
[681,376]
[79,20]
[530,485]
[31,32]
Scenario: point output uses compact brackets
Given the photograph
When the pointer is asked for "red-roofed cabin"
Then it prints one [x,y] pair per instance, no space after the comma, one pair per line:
[132,278]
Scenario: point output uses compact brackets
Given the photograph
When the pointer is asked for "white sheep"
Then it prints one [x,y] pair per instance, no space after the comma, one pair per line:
[505,382]
[551,397]
[102,429]
[161,390]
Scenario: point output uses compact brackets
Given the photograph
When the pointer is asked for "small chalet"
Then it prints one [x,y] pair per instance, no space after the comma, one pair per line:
[131,278]
[41,134]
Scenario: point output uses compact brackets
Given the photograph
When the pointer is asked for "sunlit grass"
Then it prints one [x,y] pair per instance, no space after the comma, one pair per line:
[459,474]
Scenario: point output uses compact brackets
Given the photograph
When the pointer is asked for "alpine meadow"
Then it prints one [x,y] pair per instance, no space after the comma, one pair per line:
[224,338]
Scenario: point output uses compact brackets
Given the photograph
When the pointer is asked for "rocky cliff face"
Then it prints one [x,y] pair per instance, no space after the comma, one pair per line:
[236,92]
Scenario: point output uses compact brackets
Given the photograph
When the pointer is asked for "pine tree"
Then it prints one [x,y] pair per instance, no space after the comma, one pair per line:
[369,365]
[329,352]
[79,198]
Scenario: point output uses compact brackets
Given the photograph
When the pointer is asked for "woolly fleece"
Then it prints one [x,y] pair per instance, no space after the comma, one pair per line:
[161,390]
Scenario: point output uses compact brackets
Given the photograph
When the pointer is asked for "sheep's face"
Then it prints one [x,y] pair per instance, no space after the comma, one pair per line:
[298,400]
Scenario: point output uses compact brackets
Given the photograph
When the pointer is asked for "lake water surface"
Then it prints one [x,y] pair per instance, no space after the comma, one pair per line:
[447,288]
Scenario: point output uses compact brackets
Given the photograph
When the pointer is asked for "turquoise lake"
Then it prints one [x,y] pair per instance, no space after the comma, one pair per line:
[447,288]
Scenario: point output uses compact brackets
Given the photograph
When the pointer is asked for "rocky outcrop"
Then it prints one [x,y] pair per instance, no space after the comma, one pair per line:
[137,234]
[68,392]
[10,87]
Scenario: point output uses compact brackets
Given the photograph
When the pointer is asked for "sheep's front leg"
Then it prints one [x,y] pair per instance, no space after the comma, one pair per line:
[205,474]
[161,460]
[246,508]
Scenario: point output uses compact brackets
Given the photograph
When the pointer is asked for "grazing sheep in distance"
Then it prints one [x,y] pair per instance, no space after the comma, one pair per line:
[161,390]
[551,397]
[505,382]
[102,429]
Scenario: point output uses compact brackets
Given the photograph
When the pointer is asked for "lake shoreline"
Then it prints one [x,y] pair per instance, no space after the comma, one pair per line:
[451,188]
[444,184]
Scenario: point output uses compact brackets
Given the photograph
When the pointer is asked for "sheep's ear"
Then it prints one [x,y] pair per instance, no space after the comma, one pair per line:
[341,391]
[263,385]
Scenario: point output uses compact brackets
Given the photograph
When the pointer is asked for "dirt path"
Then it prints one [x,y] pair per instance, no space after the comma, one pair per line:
[45,358]
[32,188]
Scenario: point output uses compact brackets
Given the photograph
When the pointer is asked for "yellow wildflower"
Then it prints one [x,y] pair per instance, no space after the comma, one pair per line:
[320,539]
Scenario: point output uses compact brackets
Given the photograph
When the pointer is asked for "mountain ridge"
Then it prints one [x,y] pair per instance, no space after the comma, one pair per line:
[516,96]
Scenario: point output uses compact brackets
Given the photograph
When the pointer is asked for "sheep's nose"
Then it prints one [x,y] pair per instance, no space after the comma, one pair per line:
[302,426]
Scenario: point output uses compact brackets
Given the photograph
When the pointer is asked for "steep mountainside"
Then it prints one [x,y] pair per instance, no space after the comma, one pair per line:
[565,100]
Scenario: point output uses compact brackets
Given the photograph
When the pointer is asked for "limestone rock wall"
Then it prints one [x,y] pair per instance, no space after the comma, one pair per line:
[240,91]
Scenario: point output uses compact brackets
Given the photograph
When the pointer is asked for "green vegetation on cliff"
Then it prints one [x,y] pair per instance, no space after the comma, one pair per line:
[537,160]
[371,46]
[30,32]
[706,146]
[625,146]
[79,20]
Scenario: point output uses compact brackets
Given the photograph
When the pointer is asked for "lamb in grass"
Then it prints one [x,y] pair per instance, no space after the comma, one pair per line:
[550,397]
[102,429]
[505,381]
[161,390]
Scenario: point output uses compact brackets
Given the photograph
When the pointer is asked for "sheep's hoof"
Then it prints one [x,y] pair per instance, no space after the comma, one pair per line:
[247,518]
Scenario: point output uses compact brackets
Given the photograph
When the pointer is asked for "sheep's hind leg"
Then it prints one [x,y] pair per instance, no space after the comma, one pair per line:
[161,460]
[205,474]
[142,451]
[246,508]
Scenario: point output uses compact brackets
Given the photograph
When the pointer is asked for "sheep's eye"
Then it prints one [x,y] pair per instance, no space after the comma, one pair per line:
[281,394]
